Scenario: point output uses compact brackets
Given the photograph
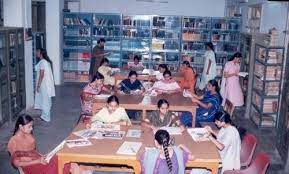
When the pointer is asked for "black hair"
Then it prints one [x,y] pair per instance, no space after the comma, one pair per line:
[43,52]
[97,76]
[187,63]
[237,54]
[167,72]
[162,101]
[101,40]
[163,138]
[131,73]
[210,45]
[23,119]
[112,98]
[163,66]
[136,57]
[223,116]
[103,61]
[215,84]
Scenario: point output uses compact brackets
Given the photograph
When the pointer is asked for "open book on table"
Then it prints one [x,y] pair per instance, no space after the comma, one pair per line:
[129,148]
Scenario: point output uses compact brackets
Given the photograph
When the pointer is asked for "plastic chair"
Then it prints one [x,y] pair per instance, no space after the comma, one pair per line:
[258,166]
[248,147]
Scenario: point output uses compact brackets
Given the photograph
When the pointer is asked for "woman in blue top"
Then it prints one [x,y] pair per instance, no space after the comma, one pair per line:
[209,104]
[131,85]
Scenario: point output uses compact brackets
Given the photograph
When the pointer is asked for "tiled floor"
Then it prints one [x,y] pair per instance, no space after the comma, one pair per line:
[66,108]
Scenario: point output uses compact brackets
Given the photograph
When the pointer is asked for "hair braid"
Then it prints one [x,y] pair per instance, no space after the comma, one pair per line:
[167,155]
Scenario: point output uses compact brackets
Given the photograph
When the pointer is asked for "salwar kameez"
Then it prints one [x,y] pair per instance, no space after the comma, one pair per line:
[46,90]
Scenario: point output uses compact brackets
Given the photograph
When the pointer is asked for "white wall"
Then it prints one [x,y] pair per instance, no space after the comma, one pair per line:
[17,13]
[54,36]
[214,8]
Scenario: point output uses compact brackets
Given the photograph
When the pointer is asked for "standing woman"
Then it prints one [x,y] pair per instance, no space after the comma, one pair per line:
[231,88]
[45,85]
[210,67]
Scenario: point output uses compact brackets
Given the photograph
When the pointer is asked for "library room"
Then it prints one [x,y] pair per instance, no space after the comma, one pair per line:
[144,86]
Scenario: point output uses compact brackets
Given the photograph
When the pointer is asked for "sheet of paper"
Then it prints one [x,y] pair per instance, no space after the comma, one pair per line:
[133,133]
[173,130]
[78,143]
[198,134]
[187,94]
[86,133]
[129,148]
[243,74]
[102,126]
[54,151]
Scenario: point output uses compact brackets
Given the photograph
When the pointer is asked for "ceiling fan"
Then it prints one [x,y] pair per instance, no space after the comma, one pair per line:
[154,1]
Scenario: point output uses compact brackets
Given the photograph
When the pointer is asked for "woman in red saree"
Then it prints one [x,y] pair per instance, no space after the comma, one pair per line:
[22,148]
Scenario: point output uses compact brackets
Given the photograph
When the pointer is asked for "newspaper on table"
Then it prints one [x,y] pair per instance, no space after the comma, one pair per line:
[88,133]
[198,134]
[54,151]
[133,133]
[187,94]
[118,135]
[173,130]
[101,126]
[78,143]
[129,148]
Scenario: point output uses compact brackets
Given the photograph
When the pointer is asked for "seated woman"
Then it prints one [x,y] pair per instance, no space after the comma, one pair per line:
[209,105]
[228,141]
[89,92]
[189,75]
[162,68]
[162,117]
[131,85]
[136,65]
[165,158]
[22,148]
[107,72]
[167,85]
[112,113]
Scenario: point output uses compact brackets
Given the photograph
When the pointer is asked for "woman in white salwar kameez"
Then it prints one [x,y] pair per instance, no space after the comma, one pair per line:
[44,85]
[210,67]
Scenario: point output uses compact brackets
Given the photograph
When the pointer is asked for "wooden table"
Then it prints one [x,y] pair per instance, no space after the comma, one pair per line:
[144,77]
[132,102]
[104,151]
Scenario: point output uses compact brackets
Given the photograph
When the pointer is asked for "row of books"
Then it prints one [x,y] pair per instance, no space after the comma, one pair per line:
[106,22]
[196,23]
[76,32]
[79,76]
[77,55]
[195,36]
[76,21]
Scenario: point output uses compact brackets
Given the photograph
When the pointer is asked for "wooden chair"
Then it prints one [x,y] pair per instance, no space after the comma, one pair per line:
[258,166]
[229,107]
[248,147]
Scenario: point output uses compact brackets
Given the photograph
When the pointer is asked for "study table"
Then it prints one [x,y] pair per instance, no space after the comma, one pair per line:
[104,151]
[133,102]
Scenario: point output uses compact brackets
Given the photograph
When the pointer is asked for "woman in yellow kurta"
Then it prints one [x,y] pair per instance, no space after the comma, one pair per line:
[106,71]
[112,113]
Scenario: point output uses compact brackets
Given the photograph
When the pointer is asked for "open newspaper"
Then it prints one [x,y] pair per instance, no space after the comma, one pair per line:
[129,148]
[54,151]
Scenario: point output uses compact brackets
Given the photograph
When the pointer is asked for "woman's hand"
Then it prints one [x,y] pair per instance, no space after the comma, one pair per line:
[41,160]
[209,129]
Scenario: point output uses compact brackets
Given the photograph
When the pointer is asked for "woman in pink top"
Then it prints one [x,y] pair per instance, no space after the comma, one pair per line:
[167,85]
[231,86]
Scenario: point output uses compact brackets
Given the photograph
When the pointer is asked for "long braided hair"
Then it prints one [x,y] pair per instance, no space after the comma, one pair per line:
[163,138]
